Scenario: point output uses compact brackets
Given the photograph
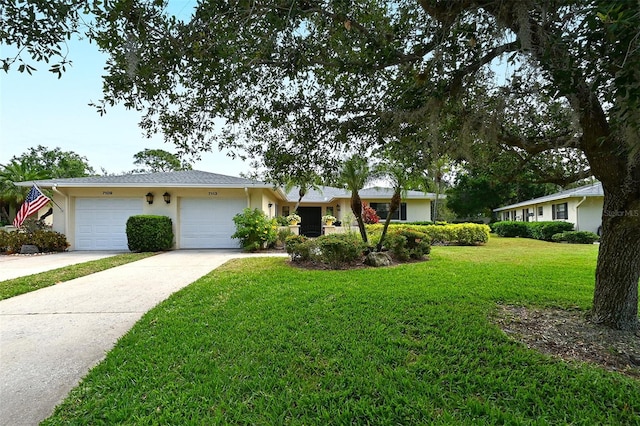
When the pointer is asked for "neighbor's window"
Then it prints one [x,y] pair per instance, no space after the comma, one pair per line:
[382,209]
[559,211]
[329,210]
[540,211]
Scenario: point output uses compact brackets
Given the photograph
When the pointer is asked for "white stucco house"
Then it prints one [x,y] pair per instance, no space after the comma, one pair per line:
[92,211]
[581,206]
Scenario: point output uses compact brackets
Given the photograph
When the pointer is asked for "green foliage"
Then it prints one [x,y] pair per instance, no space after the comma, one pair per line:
[281,221]
[254,229]
[338,250]
[283,234]
[299,248]
[406,244]
[55,162]
[538,230]
[576,237]
[45,239]
[149,233]
[511,228]
[546,230]
[464,234]
[159,160]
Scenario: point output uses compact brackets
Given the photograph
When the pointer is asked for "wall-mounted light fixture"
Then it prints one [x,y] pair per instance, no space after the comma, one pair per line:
[149,198]
[338,207]
[167,197]
[270,205]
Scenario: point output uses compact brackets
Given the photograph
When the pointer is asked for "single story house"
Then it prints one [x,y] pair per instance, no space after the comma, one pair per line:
[92,211]
[581,206]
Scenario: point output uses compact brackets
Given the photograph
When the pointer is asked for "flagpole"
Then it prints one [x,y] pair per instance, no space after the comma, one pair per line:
[50,199]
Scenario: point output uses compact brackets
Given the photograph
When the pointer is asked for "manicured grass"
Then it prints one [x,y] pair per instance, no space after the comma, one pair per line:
[16,286]
[260,342]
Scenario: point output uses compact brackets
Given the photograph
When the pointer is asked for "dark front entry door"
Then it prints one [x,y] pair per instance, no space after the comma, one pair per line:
[311,223]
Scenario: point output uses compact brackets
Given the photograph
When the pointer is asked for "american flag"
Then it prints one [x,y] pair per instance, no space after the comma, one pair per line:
[34,202]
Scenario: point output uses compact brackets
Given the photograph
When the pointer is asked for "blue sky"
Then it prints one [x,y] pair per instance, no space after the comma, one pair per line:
[43,110]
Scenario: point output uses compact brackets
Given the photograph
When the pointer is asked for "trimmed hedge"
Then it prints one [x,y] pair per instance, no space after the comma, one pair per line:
[538,230]
[546,230]
[46,240]
[462,234]
[149,233]
[576,237]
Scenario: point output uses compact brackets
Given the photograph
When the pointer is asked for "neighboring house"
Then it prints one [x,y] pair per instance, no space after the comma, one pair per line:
[415,206]
[92,211]
[581,206]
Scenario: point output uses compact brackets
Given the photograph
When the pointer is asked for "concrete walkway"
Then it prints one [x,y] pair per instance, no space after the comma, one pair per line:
[50,338]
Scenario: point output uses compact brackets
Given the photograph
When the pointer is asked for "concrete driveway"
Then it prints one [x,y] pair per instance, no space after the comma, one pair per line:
[50,338]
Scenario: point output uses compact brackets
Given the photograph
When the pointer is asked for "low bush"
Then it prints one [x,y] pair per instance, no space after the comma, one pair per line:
[254,229]
[148,233]
[546,230]
[282,234]
[338,250]
[46,240]
[511,228]
[298,247]
[404,244]
[576,237]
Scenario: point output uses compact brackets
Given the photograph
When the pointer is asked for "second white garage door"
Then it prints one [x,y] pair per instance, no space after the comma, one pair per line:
[101,223]
[207,223]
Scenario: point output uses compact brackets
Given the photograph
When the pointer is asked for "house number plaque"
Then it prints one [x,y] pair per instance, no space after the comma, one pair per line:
[213,193]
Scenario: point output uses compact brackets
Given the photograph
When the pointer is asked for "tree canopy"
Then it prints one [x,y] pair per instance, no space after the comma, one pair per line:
[300,84]
[158,160]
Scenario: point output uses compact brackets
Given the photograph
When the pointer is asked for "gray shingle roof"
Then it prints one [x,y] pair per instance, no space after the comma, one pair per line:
[187,178]
[593,190]
[327,193]
[196,178]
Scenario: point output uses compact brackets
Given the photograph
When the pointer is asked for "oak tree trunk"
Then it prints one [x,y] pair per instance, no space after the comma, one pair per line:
[615,300]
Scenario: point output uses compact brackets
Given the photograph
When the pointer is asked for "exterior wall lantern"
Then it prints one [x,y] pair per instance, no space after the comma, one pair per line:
[167,197]
[149,198]
[337,207]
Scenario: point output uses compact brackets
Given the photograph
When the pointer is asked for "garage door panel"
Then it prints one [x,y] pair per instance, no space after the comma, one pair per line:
[101,222]
[206,223]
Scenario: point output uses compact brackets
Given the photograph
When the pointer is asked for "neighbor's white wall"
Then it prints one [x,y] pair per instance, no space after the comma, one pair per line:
[418,210]
[590,214]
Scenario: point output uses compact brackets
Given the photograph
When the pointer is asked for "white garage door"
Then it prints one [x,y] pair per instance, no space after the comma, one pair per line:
[207,223]
[101,222]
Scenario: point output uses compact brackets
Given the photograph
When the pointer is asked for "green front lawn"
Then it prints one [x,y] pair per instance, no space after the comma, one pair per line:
[20,285]
[260,342]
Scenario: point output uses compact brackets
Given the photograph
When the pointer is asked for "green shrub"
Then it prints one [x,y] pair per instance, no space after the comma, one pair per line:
[576,237]
[147,233]
[254,229]
[510,228]
[338,250]
[49,241]
[299,248]
[282,221]
[283,234]
[546,230]
[46,240]
[405,244]
[468,234]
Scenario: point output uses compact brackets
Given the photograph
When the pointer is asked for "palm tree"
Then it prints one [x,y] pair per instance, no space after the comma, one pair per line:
[401,178]
[11,195]
[354,174]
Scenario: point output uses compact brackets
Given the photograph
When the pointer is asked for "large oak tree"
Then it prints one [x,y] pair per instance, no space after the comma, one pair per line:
[555,82]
